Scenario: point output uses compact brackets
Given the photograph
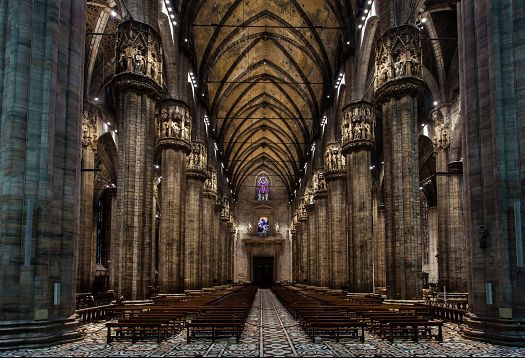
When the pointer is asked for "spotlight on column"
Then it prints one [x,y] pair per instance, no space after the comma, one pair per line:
[436,103]
[113,13]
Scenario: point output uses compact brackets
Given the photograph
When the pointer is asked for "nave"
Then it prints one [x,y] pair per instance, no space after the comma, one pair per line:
[271,331]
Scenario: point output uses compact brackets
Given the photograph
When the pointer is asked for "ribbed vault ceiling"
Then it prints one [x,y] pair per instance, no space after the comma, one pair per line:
[267,66]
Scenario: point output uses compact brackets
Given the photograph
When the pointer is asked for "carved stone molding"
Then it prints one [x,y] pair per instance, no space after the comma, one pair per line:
[197,161]
[358,126]
[441,131]
[139,58]
[334,162]
[89,128]
[399,62]
[173,125]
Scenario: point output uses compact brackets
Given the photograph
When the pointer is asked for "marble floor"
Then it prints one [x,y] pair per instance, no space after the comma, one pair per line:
[270,331]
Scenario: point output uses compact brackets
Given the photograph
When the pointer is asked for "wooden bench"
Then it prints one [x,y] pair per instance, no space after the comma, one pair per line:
[215,328]
[341,327]
[139,329]
[414,326]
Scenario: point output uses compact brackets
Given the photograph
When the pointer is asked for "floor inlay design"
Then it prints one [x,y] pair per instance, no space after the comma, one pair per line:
[271,331]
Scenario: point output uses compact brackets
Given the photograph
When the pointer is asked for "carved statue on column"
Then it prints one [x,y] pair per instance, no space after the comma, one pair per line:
[358,126]
[308,195]
[441,130]
[139,56]
[225,214]
[335,162]
[173,125]
[197,160]
[398,57]
[319,181]
[89,129]
[210,184]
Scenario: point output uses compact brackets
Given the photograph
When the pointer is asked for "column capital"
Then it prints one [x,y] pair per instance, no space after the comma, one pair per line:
[139,59]
[197,162]
[335,162]
[358,126]
[173,125]
[399,64]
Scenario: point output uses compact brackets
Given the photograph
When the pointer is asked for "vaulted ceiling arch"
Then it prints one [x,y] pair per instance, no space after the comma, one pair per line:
[266,69]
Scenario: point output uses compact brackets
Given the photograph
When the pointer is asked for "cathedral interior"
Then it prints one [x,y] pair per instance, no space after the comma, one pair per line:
[199,153]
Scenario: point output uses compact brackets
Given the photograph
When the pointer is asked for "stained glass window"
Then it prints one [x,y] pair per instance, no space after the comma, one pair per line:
[263,226]
[263,188]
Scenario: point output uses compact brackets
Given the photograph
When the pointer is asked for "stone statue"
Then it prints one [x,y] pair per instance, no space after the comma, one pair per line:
[139,64]
[277,228]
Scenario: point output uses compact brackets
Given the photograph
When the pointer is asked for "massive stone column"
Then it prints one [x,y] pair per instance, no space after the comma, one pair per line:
[173,128]
[335,174]
[137,83]
[452,254]
[87,245]
[229,248]
[303,241]
[322,247]
[379,244]
[358,142]
[223,239]
[311,228]
[208,217]
[398,84]
[492,72]
[216,248]
[41,81]
[113,249]
[293,238]
[196,175]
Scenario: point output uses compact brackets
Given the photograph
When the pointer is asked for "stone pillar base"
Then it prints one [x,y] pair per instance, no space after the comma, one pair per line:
[509,332]
[35,334]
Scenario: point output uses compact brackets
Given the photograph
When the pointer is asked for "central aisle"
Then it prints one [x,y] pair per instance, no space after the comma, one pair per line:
[269,331]
[279,333]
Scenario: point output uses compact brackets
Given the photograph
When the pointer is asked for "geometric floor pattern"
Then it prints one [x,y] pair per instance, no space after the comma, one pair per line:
[271,332]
